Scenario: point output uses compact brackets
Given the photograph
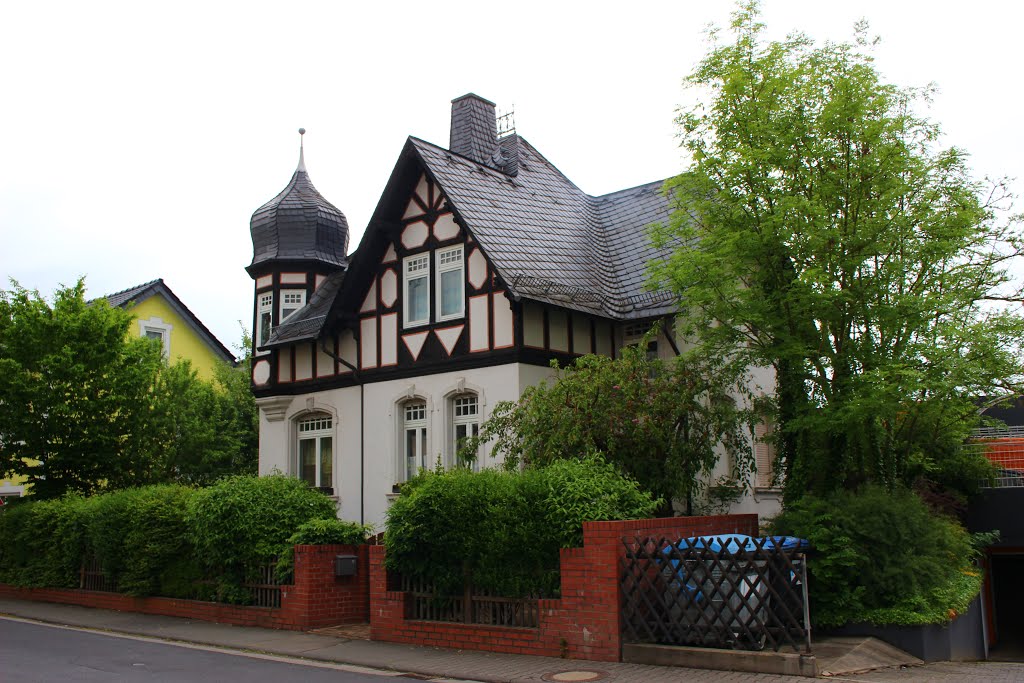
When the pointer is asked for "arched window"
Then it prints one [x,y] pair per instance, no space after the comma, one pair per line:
[316,451]
[465,412]
[414,438]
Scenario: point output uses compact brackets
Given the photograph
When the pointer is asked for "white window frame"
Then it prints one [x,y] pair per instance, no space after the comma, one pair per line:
[445,262]
[414,416]
[459,403]
[421,263]
[316,427]
[293,300]
[264,305]
[160,327]
[764,456]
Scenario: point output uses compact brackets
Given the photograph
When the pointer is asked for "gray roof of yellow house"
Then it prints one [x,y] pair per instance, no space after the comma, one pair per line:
[139,293]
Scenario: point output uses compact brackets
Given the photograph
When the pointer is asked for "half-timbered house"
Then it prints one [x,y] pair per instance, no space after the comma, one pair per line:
[480,264]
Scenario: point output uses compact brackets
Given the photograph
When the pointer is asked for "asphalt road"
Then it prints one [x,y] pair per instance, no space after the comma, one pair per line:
[34,652]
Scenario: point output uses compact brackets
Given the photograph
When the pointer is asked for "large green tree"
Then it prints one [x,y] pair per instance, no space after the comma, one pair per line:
[75,393]
[666,424]
[823,230]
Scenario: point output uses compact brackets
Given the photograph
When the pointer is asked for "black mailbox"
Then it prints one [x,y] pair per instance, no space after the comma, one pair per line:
[345,565]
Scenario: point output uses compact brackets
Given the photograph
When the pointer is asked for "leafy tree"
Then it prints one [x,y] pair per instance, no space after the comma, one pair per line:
[208,430]
[664,424]
[823,231]
[75,393]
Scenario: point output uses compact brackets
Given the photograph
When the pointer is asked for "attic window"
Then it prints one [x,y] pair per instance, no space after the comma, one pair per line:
[156,328]
[416,290]
[451,288]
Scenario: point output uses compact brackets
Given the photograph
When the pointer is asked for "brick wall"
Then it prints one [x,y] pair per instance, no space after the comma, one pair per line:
[583,624]
[316,599]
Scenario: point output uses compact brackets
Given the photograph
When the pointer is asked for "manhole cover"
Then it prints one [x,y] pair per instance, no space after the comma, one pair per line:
[579,676]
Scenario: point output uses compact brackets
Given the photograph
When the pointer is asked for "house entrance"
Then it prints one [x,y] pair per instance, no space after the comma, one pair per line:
[1007,574]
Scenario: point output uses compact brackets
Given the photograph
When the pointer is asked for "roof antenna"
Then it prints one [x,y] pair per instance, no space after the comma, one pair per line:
[302,157]
[506,123]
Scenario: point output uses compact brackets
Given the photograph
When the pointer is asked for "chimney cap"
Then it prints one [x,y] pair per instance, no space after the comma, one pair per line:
[471,95]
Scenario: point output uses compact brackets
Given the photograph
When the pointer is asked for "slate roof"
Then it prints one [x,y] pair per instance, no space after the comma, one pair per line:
[305,324]
[550,241]
[139,293]
[299,225]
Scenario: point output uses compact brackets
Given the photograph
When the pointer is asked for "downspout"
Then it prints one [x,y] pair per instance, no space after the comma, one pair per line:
[670,334]
[362,427]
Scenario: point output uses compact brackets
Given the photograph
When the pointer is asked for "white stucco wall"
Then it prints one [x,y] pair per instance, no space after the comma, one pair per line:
[278,437]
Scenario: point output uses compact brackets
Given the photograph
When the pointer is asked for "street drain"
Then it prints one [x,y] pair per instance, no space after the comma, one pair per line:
[578,676]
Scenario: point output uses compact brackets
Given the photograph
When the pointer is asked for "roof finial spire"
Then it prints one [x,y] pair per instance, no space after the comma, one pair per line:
[302,157]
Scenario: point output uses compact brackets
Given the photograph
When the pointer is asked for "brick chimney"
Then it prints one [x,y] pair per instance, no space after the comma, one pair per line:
[474,128]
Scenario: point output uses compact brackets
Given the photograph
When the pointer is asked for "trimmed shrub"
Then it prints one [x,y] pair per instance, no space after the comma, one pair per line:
[141,539]
[502,530]
[880,556]
[42,542]
[243,522]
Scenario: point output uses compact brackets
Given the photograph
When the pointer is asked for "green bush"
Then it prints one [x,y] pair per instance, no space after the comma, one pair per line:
[880,556]
[161,540]
[242,522]
[141,539]
[502,530]
[42,542]
[320,532]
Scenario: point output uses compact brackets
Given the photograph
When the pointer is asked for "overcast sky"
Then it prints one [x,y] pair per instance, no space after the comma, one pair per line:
[137,138]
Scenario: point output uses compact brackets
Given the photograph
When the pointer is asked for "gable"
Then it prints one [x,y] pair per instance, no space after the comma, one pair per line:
[431,294]
[184,342]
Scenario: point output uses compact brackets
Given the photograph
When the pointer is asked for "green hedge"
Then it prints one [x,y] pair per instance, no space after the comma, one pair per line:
[161,540]
[42,544]
[883,557]
[502,530]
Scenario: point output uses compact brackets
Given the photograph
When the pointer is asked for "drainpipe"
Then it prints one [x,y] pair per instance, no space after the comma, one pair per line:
[362,427]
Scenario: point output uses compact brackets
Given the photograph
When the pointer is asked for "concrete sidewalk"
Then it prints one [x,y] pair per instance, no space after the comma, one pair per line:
[440,663]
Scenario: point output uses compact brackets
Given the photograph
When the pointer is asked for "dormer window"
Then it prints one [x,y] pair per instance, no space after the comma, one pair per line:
[416,290]
[291,301]
[451,288]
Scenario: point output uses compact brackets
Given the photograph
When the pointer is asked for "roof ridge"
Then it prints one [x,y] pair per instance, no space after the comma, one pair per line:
[143,286]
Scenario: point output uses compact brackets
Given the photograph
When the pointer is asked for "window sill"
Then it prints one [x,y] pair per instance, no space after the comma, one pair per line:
[767,491]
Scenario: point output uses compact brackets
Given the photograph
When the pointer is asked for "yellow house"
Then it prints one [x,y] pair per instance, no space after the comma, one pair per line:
[160,314]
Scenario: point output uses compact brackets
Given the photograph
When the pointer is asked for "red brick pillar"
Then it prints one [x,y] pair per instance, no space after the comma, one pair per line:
[318,598]
[387,608]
